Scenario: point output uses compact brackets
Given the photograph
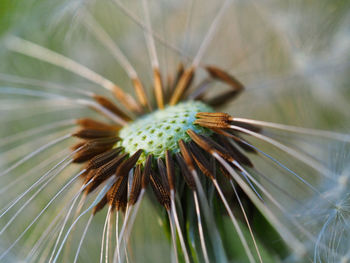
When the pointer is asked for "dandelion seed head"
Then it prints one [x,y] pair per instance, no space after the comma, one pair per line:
[189,168]
[161,130]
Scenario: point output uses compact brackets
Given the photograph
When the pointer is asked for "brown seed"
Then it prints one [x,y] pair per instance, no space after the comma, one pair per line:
[223,76]
[170,168]
[89,151]
[172,85]
[182,85]
[117,195]
[186,155]
[78,145]
[221,115]
[185,172]
[104,172]
[147,171]
[100,205]
[158,88]
[108,104]
[162,171]
[103,158]
[213,120]
[136,185]
[209,145]
[88,175]
[126,99]
[94,147]
[211,123]
[87,133]
[160,190]
[202,162]
[128,164]
[140,92]
[97,125]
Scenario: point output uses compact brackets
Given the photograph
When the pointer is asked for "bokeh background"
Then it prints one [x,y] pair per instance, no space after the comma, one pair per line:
[293,57]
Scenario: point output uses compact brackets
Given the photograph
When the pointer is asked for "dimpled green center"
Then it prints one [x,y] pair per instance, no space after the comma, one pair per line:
[161,130]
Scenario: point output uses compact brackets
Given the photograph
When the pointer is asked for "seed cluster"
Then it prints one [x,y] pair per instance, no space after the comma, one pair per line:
[161,130]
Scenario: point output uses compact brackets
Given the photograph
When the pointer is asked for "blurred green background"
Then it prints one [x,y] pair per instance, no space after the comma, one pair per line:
[293,57]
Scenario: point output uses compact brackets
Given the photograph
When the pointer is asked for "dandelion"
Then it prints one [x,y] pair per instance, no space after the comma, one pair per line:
[92,165]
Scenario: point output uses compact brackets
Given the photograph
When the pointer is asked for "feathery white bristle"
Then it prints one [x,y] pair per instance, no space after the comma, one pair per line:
[293,60]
